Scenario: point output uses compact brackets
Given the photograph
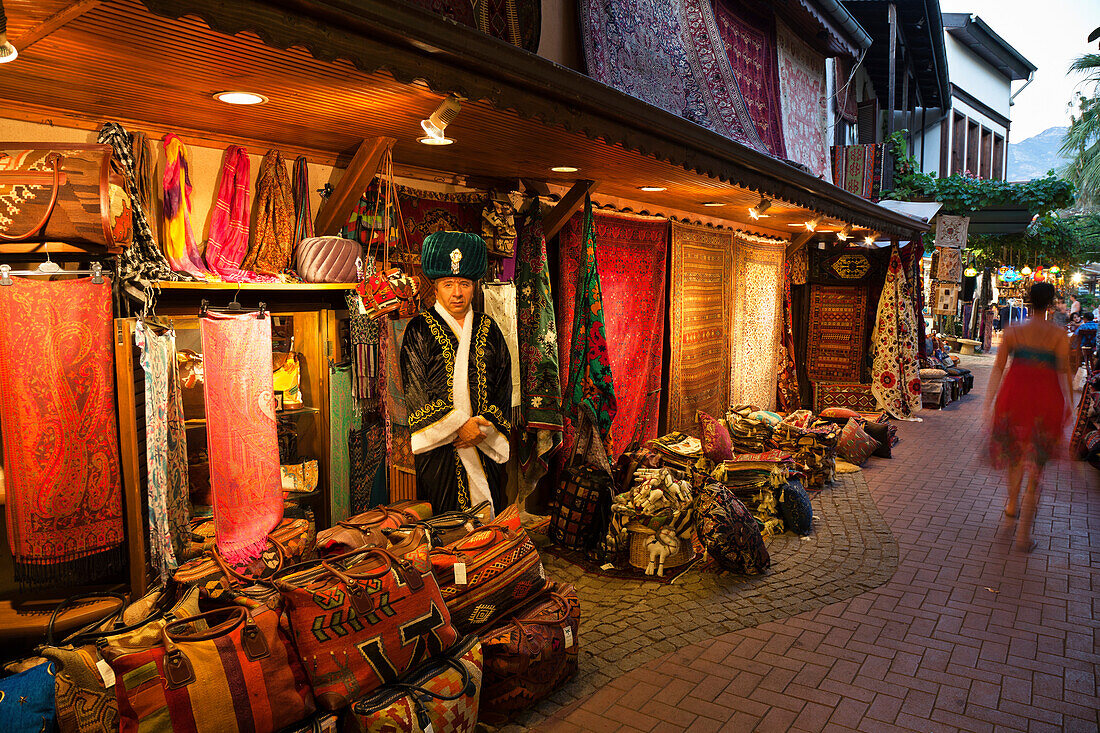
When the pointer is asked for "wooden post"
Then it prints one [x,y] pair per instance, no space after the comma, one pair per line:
[360,172]
[892,18]
[128,447]
[570,203]
[798,242]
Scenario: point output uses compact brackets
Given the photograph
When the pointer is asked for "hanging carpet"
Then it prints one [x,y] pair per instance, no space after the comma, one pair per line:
[699,324]
[949,266]
[631,255]
[836,334]
[518,22]
[61,460]
[802,96]
[426,212]
[341,420]
[756,322]
[951,231]
[858,168]
[240,431]
[670,54]
[895,374]
[788,398]
[849,395]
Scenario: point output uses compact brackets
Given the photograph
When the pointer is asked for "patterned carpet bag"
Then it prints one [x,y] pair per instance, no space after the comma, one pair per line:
[794,505]
[728,531]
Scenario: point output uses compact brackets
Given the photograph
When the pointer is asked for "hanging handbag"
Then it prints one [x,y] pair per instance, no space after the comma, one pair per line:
[389,291]
[529,653]
[488,572]
[225,670]
[580,519]
[441,696]
[368,529]
[64,193]
[363,620]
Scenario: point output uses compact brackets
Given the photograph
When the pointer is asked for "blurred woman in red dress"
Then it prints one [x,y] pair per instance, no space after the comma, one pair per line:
[1028,405]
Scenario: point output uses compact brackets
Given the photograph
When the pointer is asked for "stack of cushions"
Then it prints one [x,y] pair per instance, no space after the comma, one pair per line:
[751,429]
[755,479]
[677,449]
[855,445]
[875,424]
[812,444]
[934,390]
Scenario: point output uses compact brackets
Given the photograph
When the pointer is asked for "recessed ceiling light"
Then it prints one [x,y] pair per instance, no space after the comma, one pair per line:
[564,169]
[432,140]
[713,203]
[652,188]
[240,98]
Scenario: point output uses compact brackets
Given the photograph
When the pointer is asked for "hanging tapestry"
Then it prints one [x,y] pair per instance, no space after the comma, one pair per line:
[367,449]
[848,266]
[61,461]
[949,266]
[756,327]
[836,334]
[670,54]
[165,449]
[240,432]
[802,95]
[849,395]
[500,305]
[365,334]
[273,233]
[518,22]
[425,212]
[951,231]
[799,263]
[946,299]
[590,391]
[748,37]
[341,421]
[912,260]
[787,395]
[895,374]
[699,324]
[538,350]
[631,254]
[858,168]
[179,240]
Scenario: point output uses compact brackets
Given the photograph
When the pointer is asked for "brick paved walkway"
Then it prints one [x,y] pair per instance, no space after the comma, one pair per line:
[967,635]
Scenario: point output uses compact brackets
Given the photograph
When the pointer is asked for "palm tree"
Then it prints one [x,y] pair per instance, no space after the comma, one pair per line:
[1082,140]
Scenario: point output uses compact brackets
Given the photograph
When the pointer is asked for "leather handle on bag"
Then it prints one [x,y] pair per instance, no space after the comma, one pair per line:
[71,600]
[178,670]
[563,605]
[233,575]
[55,160]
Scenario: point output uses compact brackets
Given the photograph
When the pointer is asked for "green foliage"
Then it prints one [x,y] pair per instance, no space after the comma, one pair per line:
[1088,301]
[1082,140]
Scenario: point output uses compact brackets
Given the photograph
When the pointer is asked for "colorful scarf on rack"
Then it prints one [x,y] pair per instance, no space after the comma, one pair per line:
[787,392]
[145,171]
[179,240]
[365,350]
[341,417]
[303,216]
[228,240]
[538,351]
[273,233]
[165,449]
[240,432]
[895,375]
[142,263]
[61,459]
[591,388]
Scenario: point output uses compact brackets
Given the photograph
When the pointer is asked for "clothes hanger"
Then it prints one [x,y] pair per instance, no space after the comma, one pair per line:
[233,307]
[49,267]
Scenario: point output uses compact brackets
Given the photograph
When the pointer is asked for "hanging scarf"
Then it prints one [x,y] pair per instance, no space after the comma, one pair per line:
[165,449]
[60,437]
[341,416]
[241,436]
[788,397]
[591,392]
[145,171]
[273,234]
[895,378]
[229,221]
[179,240]
[303,217]
[365,337]
[141,264]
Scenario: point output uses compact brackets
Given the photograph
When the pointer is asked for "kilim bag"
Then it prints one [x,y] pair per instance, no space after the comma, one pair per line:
[529,653]
[441,696]
[488,572]
[452,526]
[367,529]
[221,671]
[363,620]
[293,540]
[729,532]
[583,512]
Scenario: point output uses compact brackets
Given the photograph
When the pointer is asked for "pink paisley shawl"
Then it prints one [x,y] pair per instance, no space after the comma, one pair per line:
[240,432]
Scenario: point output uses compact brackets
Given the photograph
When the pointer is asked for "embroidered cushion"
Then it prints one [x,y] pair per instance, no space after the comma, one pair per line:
[843,412]
[728,531]
[794,505]
[717,443]
[884,434]
[932,373]
[799,418]
[27,699]
[855,445]
[766,416]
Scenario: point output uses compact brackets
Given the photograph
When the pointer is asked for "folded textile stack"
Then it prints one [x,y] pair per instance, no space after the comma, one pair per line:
[751,429]
[753,478]
[935,390]
[812,445]
[677,449]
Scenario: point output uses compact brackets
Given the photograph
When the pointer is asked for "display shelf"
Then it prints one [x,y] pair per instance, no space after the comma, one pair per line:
[292,287]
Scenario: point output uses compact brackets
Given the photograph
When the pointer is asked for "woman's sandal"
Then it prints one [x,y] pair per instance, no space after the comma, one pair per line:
[1025,548]
[1013,514]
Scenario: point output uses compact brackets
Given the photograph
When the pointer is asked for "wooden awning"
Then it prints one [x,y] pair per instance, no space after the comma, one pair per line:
[338,71]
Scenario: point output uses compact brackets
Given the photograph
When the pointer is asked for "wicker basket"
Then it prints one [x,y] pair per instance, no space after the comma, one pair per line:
[639,556]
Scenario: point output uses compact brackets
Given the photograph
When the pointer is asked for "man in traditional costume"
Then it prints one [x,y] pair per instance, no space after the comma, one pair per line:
[456,372]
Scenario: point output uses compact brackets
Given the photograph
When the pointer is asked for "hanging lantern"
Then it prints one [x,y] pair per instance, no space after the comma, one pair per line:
[970,272]
[1026,271]
[1039,277]
[1056,269]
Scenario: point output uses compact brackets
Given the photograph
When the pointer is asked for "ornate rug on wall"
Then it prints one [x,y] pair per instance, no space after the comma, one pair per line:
[699,324]
[631,254]
[895,375]
[518,22]
[837,333]
[756,324]
[748,36]
[850,395]
[802,93]
[949,265]
[670,54]
[858,168]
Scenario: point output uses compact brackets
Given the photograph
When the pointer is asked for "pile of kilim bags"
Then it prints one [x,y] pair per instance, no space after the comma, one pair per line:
[395,620]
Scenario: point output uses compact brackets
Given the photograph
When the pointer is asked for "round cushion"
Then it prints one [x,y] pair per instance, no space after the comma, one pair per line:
[843,412]
[932,373]
[798,513]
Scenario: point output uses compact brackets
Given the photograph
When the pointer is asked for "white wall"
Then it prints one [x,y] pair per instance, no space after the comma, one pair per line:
[975,76]
[931,161]
[976,116]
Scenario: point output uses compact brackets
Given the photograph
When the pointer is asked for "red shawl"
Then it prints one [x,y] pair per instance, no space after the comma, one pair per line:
[229,222]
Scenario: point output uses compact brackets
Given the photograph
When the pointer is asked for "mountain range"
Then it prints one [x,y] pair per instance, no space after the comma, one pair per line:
[1033,157]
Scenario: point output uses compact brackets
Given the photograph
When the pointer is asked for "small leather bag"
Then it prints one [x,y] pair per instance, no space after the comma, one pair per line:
[225,670]
[363,620]
[368,529]
[452,526]
[327,259]
[488,572]
[529,653]
[441,696]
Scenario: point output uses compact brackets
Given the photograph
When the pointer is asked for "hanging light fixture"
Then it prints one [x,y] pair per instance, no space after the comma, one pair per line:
[970,272]
[1025,271]
[7,51]
[435,126]
[811,225]
[757,212]
[869,240]
[845,233]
